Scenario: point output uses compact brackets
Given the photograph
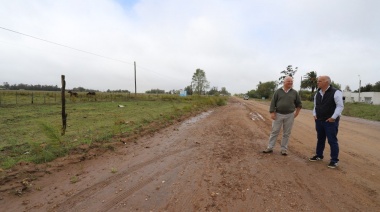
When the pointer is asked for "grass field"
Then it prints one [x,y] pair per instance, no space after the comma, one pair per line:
[32,132]
[360,110]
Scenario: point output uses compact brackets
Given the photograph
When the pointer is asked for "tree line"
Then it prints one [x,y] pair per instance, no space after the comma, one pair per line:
[308,85]
[199,85]
[370,88]
[22,86]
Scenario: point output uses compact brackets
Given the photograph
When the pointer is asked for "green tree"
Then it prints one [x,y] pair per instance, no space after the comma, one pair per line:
[6,85]
[188,90]
[370,88]
[288,72]
[347,88]
[80,89]
[310,81]
[367,88]
[266,89]
[336,85]
[155,91]
[213,91]
[376,87]
[253,94]
[199,82]
[224,91]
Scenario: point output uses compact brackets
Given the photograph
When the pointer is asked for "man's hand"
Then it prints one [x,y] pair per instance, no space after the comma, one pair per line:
[330,120]
[273,115]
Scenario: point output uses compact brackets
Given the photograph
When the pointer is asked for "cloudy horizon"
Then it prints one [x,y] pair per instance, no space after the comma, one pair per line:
[237,43]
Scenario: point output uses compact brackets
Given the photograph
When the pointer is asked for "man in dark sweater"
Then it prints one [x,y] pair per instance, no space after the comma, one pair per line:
[285,101]
[328,106]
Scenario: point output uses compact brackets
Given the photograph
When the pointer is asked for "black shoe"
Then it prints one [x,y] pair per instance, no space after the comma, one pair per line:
[268,150]
[333,165]
[316,158]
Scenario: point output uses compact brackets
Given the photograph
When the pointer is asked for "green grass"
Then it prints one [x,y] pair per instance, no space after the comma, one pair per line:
[32,132]
[360,110]
[307,105]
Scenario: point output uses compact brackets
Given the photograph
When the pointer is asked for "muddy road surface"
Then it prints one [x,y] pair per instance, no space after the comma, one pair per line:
[214,162]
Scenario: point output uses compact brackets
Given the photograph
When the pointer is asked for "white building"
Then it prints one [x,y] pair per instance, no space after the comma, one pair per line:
[367,97]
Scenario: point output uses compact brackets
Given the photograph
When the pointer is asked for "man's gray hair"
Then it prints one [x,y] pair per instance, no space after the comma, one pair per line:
[327,78]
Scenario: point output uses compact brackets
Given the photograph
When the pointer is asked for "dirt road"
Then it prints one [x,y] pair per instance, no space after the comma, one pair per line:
[213,162]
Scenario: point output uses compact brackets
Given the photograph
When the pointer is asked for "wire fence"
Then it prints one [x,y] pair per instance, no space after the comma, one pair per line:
[25,97]
[8,97]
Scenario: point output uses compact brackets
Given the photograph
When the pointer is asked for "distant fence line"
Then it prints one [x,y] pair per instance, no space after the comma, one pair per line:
[12,97]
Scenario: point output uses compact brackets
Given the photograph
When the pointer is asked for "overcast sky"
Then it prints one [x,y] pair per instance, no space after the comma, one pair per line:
[238,43]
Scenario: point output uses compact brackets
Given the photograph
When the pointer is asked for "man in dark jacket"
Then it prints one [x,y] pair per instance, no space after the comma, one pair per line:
[328,106]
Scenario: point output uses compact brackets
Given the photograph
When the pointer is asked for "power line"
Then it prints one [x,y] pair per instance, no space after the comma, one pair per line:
[83,51]
[58,44]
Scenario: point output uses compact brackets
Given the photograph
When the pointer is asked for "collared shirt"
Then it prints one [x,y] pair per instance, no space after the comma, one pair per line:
[338,98]
[285,103]
[286,91]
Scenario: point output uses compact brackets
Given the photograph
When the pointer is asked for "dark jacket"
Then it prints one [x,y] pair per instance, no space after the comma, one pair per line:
[325,107]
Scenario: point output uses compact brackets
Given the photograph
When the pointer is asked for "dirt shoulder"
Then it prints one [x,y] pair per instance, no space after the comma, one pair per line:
[213,162]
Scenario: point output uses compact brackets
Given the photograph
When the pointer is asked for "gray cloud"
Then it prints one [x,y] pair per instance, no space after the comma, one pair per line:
[237,43]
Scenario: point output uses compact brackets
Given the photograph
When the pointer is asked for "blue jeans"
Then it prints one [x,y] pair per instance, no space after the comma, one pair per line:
[327,130]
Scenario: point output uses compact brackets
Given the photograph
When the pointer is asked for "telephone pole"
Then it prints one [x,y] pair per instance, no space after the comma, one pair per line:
[360,84]
[135,79]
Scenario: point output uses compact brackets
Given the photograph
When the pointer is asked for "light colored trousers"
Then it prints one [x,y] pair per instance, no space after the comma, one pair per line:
[282,120]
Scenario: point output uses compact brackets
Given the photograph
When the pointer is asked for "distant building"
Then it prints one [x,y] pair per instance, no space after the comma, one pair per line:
[366,97]
[182,93]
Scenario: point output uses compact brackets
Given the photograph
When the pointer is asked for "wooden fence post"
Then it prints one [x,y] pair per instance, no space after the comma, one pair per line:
[64,115]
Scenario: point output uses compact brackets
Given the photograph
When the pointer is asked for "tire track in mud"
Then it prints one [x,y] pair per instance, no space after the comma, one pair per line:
[229,173]
[85,194]
[113,203]
[256,114]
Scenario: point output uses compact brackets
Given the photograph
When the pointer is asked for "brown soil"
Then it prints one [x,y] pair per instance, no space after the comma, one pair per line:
[212,162]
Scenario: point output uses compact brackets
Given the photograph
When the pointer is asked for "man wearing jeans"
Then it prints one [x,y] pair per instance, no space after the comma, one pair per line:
[328,106]
[285,101]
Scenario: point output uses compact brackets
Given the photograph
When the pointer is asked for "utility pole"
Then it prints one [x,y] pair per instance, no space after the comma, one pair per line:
[360,84]
[135,79]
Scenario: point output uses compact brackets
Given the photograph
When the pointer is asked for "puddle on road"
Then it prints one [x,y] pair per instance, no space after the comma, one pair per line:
[197,118]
